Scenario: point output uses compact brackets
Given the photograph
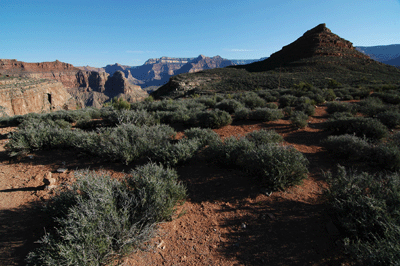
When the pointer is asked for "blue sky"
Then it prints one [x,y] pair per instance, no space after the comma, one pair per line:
[98,33]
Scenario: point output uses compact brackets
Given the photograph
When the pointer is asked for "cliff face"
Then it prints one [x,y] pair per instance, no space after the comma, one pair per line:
[88,87]
[19,96]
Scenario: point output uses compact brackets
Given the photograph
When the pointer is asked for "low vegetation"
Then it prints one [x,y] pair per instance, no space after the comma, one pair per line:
[362,134]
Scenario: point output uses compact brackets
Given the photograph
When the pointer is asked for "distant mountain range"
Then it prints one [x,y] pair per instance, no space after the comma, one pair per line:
[387,54]
[156,72]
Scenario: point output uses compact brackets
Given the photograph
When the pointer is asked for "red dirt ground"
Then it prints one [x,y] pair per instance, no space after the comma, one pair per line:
[226,220]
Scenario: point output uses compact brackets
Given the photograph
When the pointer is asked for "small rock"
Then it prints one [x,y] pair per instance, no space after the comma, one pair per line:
[61,170]
[243,226]
[48,179]
[266,191]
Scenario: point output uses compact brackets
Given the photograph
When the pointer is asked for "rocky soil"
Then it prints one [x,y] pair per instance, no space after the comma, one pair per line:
[226,220]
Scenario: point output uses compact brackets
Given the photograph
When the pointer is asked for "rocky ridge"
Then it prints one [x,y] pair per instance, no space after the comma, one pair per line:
[316,42]
[316,57]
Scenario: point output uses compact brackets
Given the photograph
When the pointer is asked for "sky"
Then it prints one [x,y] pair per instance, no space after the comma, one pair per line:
[128,32]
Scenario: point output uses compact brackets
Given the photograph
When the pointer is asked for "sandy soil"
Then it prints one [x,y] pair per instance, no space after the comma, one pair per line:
[226,220]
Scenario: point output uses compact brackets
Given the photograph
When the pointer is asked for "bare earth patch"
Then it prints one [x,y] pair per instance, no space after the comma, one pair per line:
[226,220]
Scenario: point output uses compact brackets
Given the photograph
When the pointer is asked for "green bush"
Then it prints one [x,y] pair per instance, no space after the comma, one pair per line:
[299,119]
[333,107]
[266,114]
[287,100]
[360,126]
[348,147]
[205,135]
[251,100]
[264,137]
[276,166]
[341,115]
[172,154]
[371,106]
[271,106]
[390,119]
[365,207]
[229,105]
[242,114]
[211,119]
[306,108]
[105,218]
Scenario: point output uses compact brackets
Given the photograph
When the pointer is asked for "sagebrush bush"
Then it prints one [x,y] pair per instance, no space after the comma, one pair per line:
[348,147]
[205,135]
[242,114]
[104,218]
[299,119]
[172,154]
[340,115]
[257,153]
[266,114]
[251,100]
[211,119]
[229,105]
[333,107]
[371,106]
[391,119]
[264,137]
[287,100]
[275,166]
[366,208]
[306,108]
[360,126]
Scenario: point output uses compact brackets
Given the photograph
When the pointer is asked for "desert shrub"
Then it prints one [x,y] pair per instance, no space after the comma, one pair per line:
[334,84]
[242,114]
[299,119]
[251,100]
[371,106]
[288,111]
[210,102]
[276,166]
[105,218]
[135,117]
[264,137]
[366,207]
[348,147]
[360,126]
[266,114]
[37,134]
[267,96]
[228,151]
[271,106]
[387,97]
[211,119]
[125,142]
[341,115]
[306,108]
[385,156]
[329,95]
[172,154]
[390,119]
[287,100]
[333,107]
[205,135]
[229,105]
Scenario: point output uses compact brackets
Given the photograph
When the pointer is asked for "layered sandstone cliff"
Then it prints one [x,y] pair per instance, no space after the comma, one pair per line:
[19,96]
[88,87]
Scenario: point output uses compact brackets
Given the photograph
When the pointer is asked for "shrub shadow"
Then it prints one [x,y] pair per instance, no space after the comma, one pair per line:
[19,230]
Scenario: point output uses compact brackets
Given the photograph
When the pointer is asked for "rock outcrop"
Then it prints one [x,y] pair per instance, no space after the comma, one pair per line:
[19,96]
[88,87]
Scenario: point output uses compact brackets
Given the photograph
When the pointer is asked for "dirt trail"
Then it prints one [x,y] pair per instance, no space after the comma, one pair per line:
[226,220]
